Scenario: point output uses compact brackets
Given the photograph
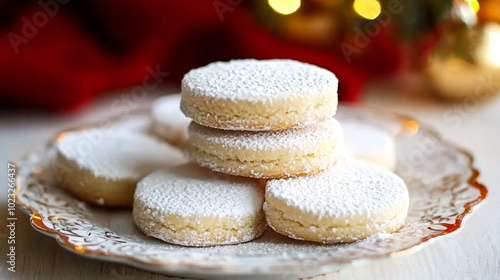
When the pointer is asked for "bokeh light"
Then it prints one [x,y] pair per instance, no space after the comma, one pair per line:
[474,5]
[369,9]
[285,7]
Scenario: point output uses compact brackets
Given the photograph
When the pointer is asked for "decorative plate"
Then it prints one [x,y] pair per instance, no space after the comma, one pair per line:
[441,180]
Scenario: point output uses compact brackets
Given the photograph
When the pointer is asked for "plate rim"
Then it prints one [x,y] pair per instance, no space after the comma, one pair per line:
[179,268]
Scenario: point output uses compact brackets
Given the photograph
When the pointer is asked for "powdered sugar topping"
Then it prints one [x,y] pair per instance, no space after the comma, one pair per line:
[295,138]
[190,190]
[259,80]
[364,139]
[116,153]
[167,110]
[135,123]
[347,189]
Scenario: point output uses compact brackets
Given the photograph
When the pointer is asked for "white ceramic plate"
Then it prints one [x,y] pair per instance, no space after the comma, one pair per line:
[440,177]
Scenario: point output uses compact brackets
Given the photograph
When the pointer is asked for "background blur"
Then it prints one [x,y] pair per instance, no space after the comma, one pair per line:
[58,55]
[65,63]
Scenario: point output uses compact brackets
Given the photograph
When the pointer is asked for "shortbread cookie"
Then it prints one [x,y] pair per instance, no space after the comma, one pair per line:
[134,123]
[350,201]
[369,143]
[267,154]
[169,122]
[193,206]
[253,94]
[103,166]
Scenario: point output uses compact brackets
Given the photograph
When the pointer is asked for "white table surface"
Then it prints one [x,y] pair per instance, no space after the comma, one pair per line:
[471,253]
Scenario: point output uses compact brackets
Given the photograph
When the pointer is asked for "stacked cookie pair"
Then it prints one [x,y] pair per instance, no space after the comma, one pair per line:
[262,119]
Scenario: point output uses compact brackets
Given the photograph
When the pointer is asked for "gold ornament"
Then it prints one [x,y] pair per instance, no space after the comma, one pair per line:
[465,62]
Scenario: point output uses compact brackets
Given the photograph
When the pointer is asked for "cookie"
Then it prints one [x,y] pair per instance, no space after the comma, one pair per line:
[168,120]
[369,143]
[267,154]
[193,206]
[348,202]
[134,123]
[254,94]
[103,166]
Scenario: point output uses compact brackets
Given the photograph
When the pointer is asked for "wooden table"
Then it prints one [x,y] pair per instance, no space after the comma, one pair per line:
[471,253]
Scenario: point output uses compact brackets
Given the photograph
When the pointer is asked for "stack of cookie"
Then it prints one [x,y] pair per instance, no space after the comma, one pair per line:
[267,119]
[274,119]
[262,118]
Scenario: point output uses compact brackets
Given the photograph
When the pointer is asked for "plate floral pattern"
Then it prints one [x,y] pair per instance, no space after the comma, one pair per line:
[441,179]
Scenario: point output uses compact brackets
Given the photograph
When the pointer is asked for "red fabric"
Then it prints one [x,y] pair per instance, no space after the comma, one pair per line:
[86,48]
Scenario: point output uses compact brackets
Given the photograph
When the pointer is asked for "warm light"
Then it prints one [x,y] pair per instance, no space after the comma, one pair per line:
[474,5]
[284,7]
[412,126]
[369,9]
[61,136]
[80,249]
[36,170]
[492,32]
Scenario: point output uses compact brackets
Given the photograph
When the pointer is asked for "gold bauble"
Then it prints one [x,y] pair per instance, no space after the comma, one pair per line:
[466,60]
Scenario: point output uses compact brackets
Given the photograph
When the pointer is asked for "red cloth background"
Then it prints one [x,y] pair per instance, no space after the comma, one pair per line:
[57,56]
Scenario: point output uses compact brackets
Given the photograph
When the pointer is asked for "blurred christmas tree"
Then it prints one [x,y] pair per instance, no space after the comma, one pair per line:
[328,23]
[443,39]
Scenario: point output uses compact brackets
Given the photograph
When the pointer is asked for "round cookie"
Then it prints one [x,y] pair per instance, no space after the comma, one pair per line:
[254,94]
[103,166]
[369,143]
[267,154]
[134,123]
[168,120]
[193,206]
[350,201]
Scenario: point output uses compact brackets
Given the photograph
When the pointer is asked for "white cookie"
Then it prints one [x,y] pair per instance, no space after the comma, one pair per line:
[267,154]
[369,143]
[193,206]
[169,122]
[134,123]
[251,94]
[350,201]
[103,166]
